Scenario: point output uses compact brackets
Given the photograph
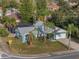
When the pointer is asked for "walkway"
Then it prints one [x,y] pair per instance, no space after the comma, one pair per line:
[73,44]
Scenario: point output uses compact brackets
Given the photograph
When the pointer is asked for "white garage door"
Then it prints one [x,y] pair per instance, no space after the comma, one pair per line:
[60,36]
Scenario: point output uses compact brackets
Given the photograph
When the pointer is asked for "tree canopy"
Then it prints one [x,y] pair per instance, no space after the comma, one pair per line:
[26,10]
[42,8]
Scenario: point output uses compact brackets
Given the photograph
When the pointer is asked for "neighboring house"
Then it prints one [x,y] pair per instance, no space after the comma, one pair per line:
[13,13]
[73,4]
[52,6]
[1,12]
[73,0]
[23,32]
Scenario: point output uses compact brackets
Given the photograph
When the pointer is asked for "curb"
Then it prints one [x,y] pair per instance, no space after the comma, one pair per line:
[42,55]
[64,52]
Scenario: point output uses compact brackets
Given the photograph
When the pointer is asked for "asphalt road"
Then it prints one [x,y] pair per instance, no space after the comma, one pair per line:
[74,55]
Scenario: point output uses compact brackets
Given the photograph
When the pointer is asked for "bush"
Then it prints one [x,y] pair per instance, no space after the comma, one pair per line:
[3,32]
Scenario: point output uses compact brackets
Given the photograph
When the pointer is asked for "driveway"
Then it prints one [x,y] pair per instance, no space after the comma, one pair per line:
[73,44]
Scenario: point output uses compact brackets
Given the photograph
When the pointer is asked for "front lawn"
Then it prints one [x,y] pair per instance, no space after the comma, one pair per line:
[38,47]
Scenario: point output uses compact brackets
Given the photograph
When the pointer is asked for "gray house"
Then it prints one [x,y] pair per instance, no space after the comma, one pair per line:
[23,32]
[39,30]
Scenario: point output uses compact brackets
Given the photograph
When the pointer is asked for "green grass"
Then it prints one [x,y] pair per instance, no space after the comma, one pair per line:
[38,47]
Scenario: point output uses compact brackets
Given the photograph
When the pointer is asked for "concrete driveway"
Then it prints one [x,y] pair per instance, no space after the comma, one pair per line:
[72,45]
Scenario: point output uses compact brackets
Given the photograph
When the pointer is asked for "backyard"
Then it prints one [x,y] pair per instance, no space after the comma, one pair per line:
[17,47]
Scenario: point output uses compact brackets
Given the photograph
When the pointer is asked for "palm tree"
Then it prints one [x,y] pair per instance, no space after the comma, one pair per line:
[71,29]
[42,11]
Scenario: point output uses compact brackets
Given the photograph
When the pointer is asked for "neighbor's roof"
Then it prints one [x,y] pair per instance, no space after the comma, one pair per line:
[53,6]
[25,30]
[21,24]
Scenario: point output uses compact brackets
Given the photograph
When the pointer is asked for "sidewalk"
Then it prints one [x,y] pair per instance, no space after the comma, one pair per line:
[73,44]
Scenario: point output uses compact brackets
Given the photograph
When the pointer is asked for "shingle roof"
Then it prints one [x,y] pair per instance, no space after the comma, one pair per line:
[25,30]
[24,24]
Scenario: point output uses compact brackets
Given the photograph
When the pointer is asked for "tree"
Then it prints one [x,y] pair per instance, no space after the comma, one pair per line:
[9,3]
[42,12]
[71,29]
[26,9]
[13,4]
[30,39]
[58,18]
[10,23]
[64,15]
[4,4]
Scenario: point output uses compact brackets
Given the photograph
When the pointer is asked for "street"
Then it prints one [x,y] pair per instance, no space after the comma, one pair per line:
[74,55]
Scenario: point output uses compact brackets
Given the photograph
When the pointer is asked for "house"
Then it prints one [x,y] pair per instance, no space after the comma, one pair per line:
[13,13]
[39,30]
[23,32]
[53,33]
[52,6]
[56,32]
[72,3]
[60,33]
[1,12]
